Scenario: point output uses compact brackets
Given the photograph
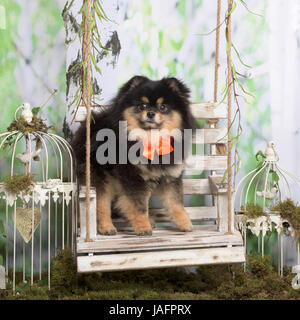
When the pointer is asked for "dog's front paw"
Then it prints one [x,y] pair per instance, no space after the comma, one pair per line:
[107,231]
[144,233]
[182,220]
[185,225]
[141,225]
[188,227]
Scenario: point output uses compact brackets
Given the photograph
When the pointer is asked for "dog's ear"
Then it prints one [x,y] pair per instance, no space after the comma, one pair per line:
[131,84]
[178,87]
[181,90]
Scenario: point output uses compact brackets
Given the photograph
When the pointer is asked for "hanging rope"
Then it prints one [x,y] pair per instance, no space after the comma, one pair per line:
[229,84]
[217,52]
[213,123]
[86,96]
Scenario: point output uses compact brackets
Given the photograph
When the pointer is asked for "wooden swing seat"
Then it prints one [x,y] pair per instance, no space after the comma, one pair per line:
[209,243]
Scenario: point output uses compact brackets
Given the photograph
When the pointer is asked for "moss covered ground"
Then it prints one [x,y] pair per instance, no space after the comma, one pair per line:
[260,281]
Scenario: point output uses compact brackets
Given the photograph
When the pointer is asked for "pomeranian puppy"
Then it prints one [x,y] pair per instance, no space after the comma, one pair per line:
[124,185]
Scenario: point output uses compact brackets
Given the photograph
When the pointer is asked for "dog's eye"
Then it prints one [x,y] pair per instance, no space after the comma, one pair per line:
[162,108]
[143,106]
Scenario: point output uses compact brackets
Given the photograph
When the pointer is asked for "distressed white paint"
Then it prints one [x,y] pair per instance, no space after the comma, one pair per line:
[2,278]
[160,259]
[93,210]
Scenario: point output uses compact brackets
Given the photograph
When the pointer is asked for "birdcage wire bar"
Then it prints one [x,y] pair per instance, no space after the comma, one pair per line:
[54,197]
[258,187]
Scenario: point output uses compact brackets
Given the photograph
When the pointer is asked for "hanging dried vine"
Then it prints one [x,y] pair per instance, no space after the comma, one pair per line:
[89,36]
[96,14]
[236,91]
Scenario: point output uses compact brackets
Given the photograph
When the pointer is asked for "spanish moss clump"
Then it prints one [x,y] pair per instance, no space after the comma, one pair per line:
[19,183]
[37,124]
[291,212]
[64,271]
[21,125]
[252,211]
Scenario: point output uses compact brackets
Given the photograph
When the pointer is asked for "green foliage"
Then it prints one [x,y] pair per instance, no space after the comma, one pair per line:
[260,158]
[19,183]
[275,177]
[64,271]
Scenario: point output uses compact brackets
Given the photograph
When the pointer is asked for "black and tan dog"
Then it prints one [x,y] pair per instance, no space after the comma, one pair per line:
[145,105]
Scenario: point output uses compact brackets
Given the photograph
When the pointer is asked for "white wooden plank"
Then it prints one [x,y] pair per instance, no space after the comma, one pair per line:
[161,259]
[93,212]
[209,110]
[210,136]
[195,213]
[170,230]
[2,278]
[204,162]
[201,110]
[162,238]
[196,186]
[222,205]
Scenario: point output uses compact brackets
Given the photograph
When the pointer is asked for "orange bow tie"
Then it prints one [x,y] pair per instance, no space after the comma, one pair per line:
[163,146]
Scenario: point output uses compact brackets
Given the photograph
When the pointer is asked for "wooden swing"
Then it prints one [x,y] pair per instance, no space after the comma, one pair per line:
[214,242]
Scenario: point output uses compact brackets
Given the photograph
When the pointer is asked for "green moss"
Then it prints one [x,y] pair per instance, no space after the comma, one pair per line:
[64,271]
[291,212]
[287,210]
[37,124]
[21,125]
[19,183]
[260,281]
[252,211]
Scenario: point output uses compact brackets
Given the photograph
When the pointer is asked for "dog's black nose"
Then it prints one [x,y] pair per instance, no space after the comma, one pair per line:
[151,114]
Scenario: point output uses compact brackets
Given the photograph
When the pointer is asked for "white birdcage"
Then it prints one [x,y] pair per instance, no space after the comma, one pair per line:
[49,204]
[265,186]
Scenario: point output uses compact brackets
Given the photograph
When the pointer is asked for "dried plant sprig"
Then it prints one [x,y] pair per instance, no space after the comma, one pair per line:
[97,14]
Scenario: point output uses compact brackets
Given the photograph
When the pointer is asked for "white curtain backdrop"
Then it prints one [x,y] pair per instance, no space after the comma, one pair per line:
[284,68]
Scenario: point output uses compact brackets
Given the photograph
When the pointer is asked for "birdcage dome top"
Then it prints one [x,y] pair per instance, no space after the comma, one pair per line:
[268,183]
[30,148]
